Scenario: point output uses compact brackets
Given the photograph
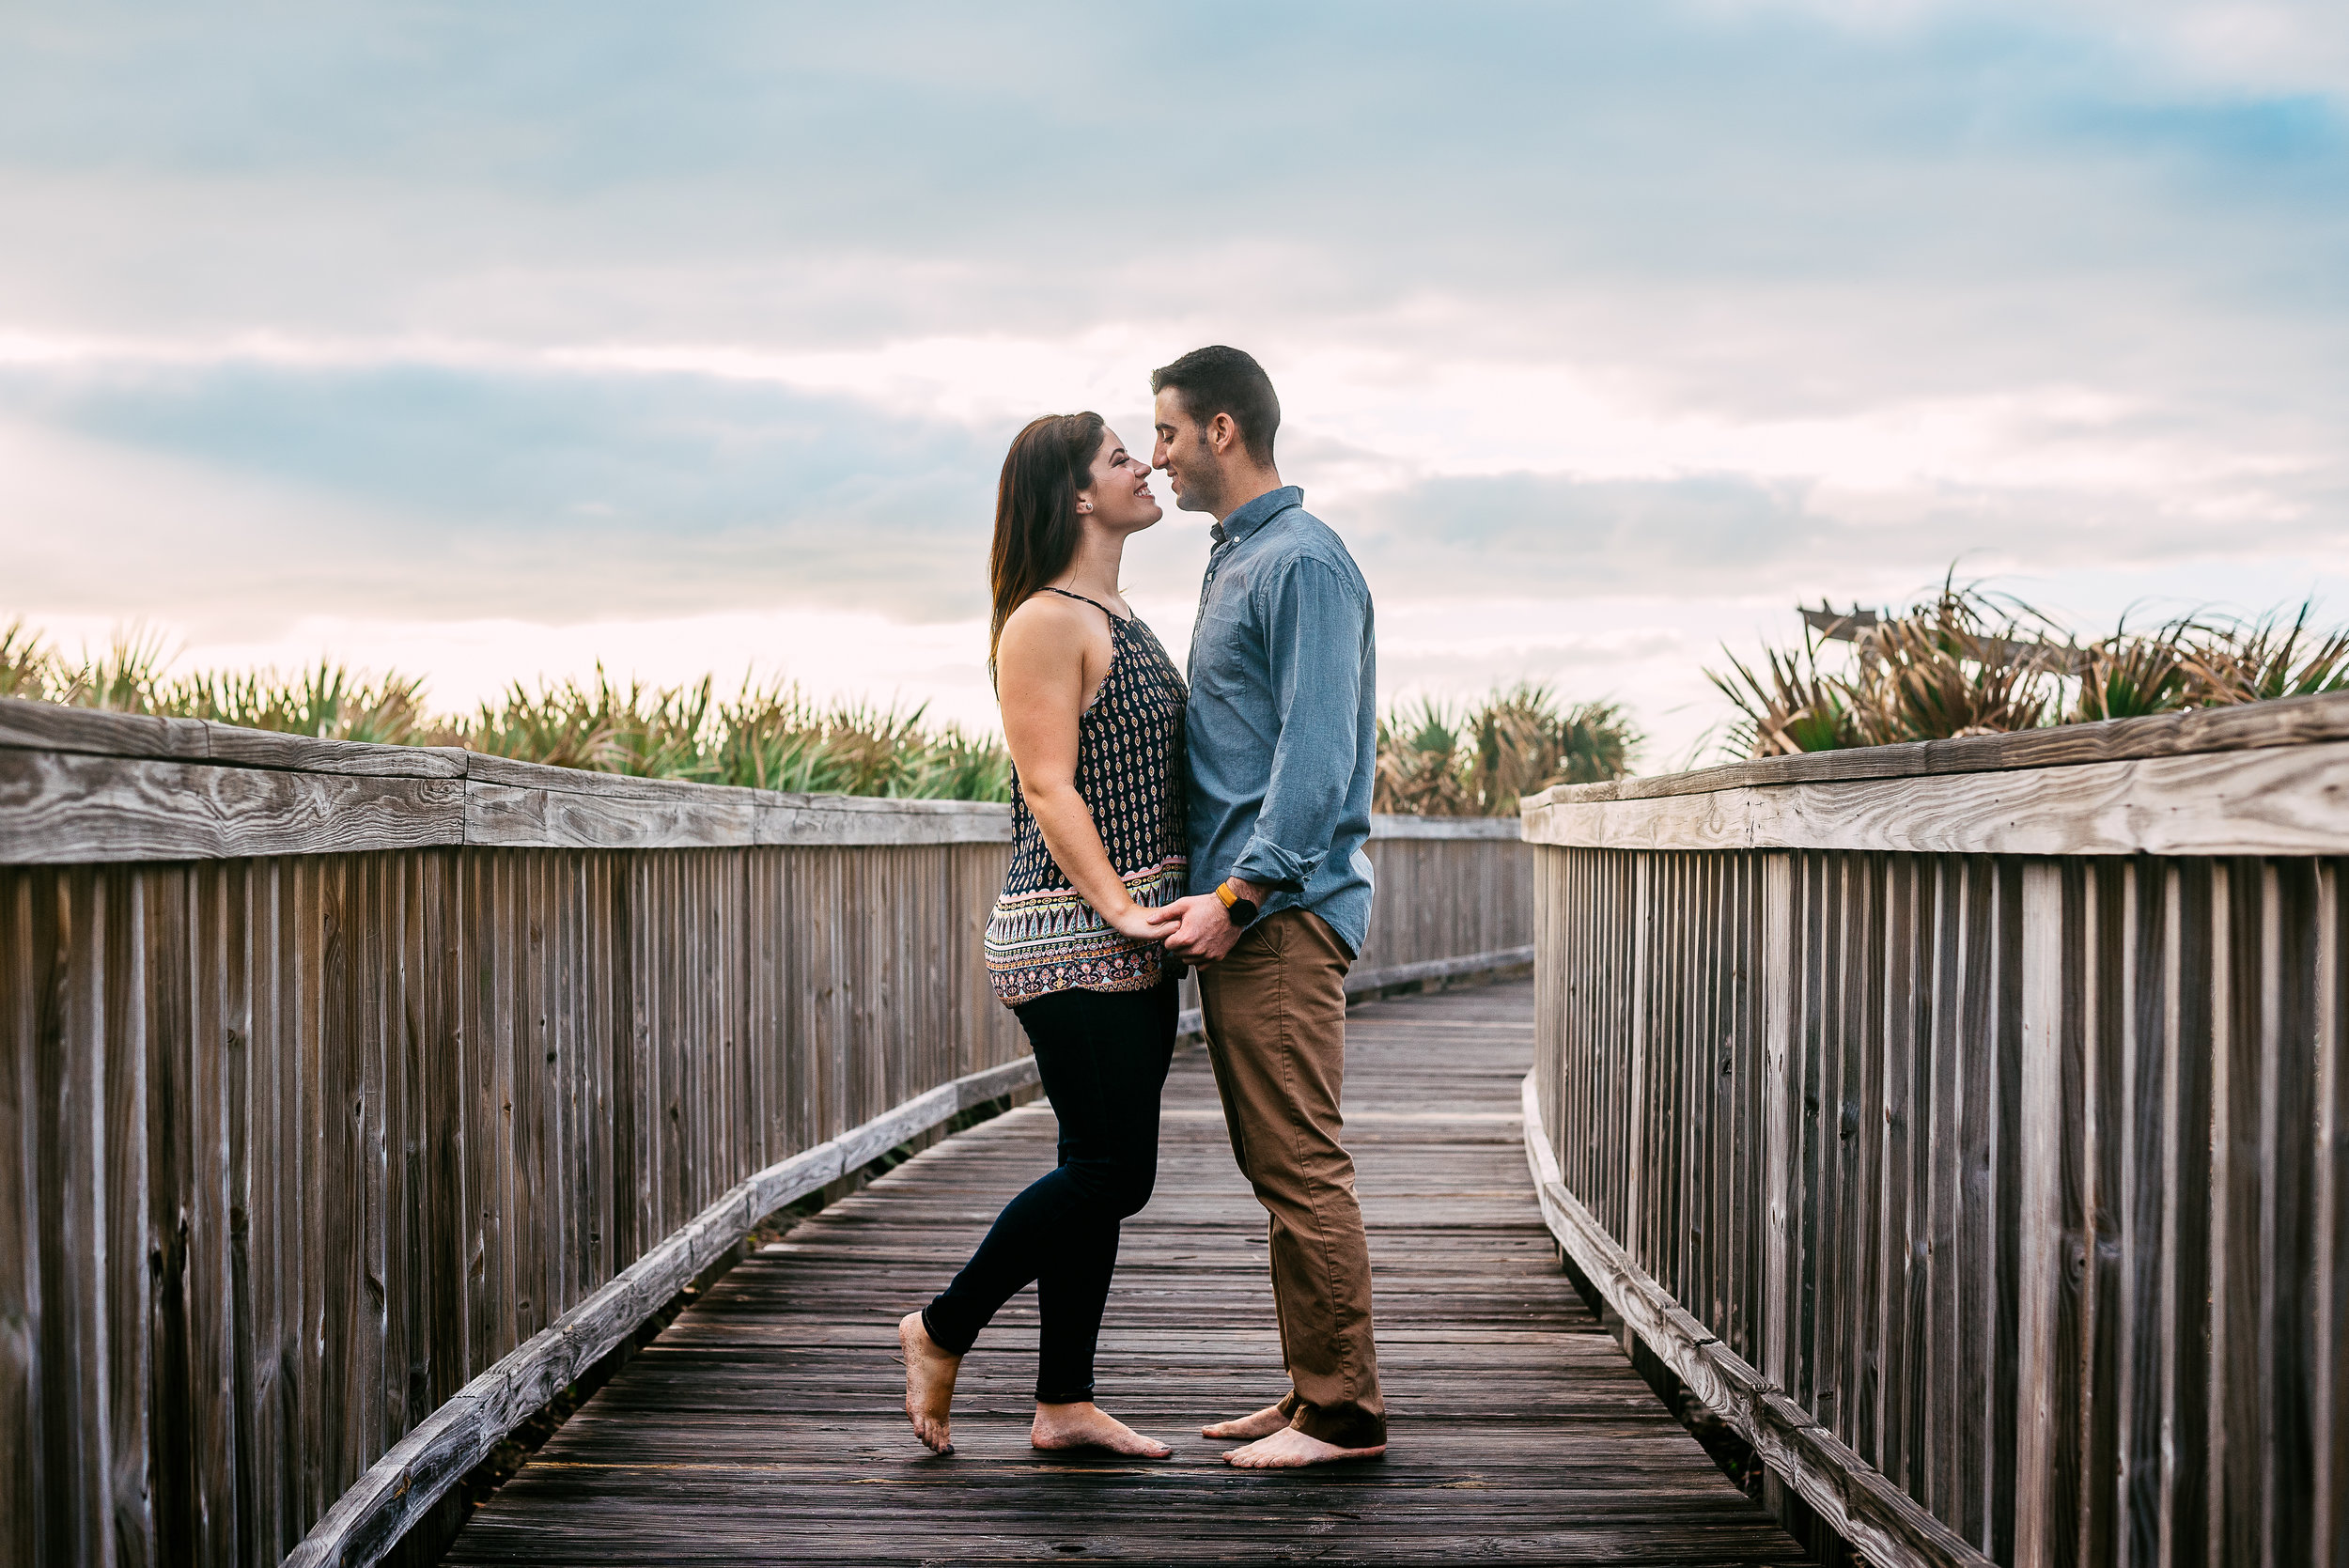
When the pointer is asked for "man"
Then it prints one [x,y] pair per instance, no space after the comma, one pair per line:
[1282,742]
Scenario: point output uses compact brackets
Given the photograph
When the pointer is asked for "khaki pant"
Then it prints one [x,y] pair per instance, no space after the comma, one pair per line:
[1275,1031]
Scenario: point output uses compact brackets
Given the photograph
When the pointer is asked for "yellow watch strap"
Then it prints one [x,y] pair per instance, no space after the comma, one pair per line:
[1223,890]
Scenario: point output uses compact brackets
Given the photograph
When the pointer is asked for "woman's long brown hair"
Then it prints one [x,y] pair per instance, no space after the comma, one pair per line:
[1035,511]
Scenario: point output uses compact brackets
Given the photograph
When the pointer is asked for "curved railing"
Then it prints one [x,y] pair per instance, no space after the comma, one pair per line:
[353,1099]
[1966,1123]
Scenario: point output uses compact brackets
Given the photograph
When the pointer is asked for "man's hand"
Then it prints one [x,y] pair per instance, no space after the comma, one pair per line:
[1206,932]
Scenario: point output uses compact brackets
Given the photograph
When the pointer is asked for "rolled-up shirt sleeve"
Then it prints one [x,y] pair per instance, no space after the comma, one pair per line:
[1315,625]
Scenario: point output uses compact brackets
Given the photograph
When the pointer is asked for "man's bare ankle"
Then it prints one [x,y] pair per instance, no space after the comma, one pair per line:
[1256,1423]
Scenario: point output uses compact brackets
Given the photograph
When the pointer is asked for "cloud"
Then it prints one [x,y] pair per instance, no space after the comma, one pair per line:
[2256,45]
[1732,536]
[557,497]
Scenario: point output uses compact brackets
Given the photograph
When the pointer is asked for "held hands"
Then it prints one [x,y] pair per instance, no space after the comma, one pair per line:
[1204,932]
[1145,925]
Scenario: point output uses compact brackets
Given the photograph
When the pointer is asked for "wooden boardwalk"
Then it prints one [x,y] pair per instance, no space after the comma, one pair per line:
[764,1426]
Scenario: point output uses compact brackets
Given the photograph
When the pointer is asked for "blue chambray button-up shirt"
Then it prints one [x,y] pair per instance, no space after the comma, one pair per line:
[1283,727]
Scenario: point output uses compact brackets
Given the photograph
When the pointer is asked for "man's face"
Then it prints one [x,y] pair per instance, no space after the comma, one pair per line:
[1185,455]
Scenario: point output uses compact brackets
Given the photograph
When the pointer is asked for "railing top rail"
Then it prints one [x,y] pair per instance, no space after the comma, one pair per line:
[78,785]
[2287,721]
[2263,779]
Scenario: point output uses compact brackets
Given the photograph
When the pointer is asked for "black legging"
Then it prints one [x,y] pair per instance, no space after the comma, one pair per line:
[1103,1057]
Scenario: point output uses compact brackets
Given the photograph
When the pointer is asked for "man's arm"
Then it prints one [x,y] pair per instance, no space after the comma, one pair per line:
[1313,644]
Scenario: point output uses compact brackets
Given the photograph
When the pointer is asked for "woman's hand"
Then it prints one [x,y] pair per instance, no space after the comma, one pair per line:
[1144,924]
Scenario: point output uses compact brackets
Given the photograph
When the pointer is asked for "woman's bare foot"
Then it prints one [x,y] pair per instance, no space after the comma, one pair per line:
[930,1383]
[1087,1426]
[1264,1423]
[1290,1450]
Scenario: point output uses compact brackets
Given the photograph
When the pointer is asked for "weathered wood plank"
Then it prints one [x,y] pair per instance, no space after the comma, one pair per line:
[2286,801]
[2292,722]
[28,955]
[54,727]
[2038,1520]
[1778,984]
[2329,1520]
[2196,985]
[302,754]
[2291,1071]
[836,819]
[60,809]
[506,816]
[2242,1188]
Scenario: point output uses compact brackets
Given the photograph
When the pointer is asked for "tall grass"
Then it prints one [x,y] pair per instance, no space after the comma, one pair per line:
[1477,761]
[1964,662]
[771,737]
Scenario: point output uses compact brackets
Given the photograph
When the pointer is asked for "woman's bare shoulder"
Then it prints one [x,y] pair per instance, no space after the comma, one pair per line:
[1049,620]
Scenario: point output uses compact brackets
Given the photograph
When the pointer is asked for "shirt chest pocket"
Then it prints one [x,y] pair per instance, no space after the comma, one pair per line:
[1229,640]
[1230,645]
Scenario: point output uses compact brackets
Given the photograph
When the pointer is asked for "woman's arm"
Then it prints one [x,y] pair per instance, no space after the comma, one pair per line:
[1054,654]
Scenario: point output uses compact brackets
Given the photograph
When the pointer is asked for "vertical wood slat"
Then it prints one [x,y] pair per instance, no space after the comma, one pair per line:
[2330,1444]
[28,955]
[2238,1199]
[1778,1026]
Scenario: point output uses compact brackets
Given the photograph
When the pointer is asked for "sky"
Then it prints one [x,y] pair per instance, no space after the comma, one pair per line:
[488,343]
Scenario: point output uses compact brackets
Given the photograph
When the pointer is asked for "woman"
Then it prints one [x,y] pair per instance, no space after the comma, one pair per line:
[1093,712]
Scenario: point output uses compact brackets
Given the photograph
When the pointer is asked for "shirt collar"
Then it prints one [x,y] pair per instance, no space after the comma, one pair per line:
[1248,518]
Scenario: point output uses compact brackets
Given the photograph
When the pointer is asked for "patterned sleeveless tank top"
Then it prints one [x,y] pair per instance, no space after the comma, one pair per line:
[1043,937]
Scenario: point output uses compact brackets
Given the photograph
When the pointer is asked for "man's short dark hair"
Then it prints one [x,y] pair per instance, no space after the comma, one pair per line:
[1219,380]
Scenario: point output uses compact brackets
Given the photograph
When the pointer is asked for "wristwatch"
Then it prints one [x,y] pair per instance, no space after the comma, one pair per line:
[1243,910]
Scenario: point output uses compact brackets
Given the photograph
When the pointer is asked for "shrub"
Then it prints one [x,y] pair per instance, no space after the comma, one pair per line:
[1435,762]
[1962,661]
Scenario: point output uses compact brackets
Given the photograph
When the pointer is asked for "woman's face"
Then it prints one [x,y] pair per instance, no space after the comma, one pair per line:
[1119,490]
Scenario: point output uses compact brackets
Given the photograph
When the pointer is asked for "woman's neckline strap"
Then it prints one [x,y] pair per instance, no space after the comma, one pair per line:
[1105,610]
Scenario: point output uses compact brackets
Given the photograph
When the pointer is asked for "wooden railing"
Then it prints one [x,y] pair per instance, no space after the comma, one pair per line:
[1968,1124]
[355,1099]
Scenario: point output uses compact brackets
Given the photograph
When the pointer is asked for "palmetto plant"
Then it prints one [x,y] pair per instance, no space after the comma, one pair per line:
[2125,676]
[650,732]
[1437,761]
[1946,670]
[1964,662]
[1419,762]
[327,701]
[122,680]
[2267,658]
[1526,742]
[1788,706]
[27,665]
